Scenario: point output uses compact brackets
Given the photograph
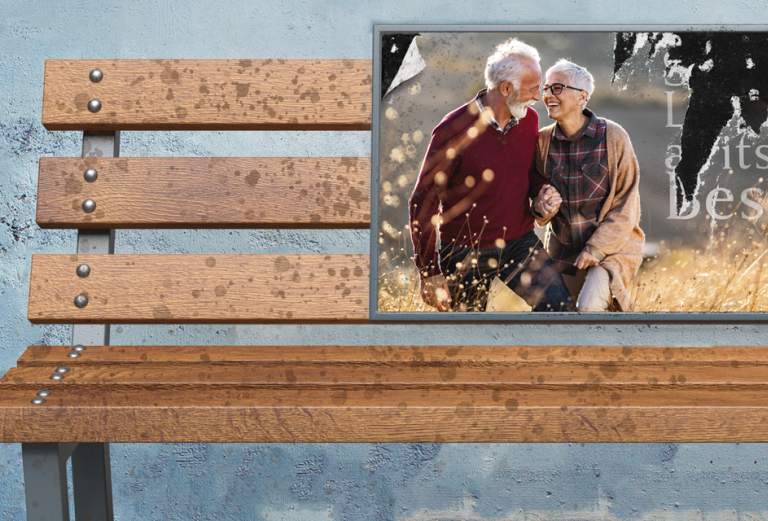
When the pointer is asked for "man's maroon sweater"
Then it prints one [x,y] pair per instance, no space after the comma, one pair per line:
[475,183]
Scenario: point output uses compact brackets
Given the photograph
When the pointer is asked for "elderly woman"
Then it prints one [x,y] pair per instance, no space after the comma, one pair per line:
[595,238]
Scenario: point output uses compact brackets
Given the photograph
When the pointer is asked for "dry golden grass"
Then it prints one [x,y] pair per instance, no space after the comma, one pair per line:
[726,275]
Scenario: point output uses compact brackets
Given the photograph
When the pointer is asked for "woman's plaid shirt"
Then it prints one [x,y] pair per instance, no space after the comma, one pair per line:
[578,169]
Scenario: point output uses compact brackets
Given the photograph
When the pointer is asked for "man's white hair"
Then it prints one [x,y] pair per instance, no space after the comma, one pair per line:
[578,76]
[507,63]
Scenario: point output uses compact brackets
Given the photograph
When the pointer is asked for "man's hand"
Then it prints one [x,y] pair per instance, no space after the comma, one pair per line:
[547,202]
[585,260]
[434,292]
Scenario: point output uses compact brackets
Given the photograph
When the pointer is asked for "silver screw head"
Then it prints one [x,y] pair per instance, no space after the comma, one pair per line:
[38,401]
[73,354]
[96,75]
[94,105]
[62,369]
[81,301]
[90,175]
[79,347]
[83,270]
[89,205]
[44,392]
[57,376]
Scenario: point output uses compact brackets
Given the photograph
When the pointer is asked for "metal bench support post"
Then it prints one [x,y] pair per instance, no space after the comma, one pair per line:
[91,472]
[45,480]
[92,482]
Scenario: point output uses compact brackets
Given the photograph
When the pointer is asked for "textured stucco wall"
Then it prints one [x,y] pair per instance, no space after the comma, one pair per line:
[302,482]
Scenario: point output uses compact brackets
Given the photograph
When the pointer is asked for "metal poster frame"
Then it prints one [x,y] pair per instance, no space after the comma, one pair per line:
[658,317]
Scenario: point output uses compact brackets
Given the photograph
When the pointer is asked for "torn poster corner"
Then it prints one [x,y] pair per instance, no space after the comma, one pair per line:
[411,65]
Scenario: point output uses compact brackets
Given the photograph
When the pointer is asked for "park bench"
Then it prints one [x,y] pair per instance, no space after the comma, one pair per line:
[75,400]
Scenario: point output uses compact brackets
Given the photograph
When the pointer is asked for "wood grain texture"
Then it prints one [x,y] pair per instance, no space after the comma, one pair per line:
[405,373]
[167,289]
[205,193]
[209,95]
[733,356]
[388,394]
[177,414]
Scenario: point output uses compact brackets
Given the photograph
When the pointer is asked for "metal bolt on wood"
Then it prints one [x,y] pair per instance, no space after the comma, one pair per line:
[94,105]
[62,369]
[81,301]
[79,347]
[38,401]
[73,354]
[90,175]
[83,270]
[44,392]
[89,205]
[57,376]
[96,75]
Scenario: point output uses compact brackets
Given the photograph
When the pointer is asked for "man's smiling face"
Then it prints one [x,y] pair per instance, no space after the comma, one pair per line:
[518,101]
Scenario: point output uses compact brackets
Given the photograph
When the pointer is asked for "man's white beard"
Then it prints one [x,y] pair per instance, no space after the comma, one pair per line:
[518,110]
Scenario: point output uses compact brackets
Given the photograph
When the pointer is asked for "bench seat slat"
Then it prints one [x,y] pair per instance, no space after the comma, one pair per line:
[205,193]
[209,95]
[209,289]
[356,395]
[401,373]
[478,355]
[181,414]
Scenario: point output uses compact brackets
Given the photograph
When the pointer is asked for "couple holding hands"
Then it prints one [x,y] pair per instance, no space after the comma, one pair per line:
[490,173]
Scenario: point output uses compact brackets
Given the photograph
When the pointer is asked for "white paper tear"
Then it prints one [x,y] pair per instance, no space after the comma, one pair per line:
[412,64]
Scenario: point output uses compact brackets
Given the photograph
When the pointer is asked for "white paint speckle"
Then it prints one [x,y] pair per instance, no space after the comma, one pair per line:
[642,39]
[750,63]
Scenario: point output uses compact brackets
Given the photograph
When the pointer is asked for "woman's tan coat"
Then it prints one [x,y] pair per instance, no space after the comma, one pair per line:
[618,235]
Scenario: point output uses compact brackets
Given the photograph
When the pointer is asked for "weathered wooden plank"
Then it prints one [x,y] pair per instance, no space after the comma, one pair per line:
[364,415]
[205,193]
[166,289]
[479,355]
[208,95]
[434,373]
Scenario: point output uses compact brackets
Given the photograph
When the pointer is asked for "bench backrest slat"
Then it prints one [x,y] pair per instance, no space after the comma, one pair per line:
[176,289]
[205,193]
[208,95]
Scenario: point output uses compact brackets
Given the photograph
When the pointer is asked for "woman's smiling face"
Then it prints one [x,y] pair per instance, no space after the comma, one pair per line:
[566,103]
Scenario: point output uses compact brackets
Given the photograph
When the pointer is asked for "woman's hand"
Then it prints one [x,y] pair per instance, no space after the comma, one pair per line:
[548,202]
[585,260]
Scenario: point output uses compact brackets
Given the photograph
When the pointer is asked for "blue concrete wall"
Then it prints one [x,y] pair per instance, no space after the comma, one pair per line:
[342,482]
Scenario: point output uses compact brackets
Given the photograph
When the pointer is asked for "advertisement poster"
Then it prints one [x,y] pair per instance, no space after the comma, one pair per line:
[666,172]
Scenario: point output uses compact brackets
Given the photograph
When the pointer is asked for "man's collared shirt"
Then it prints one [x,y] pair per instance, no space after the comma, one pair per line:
[578,169]
[488,115]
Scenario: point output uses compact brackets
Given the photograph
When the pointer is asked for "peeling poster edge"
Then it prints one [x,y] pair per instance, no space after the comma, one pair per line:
[400,53]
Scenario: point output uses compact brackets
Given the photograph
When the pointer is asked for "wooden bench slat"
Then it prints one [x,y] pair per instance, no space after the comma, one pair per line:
[205,193]
[165,289]
[175,414]
[730,356]
[209,95]
[480,395]
[401,373]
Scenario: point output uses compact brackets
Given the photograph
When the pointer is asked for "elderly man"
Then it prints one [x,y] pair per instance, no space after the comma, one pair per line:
[473,194]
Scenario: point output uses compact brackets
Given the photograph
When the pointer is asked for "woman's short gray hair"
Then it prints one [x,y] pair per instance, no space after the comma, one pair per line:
[578,76]
[506,63]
